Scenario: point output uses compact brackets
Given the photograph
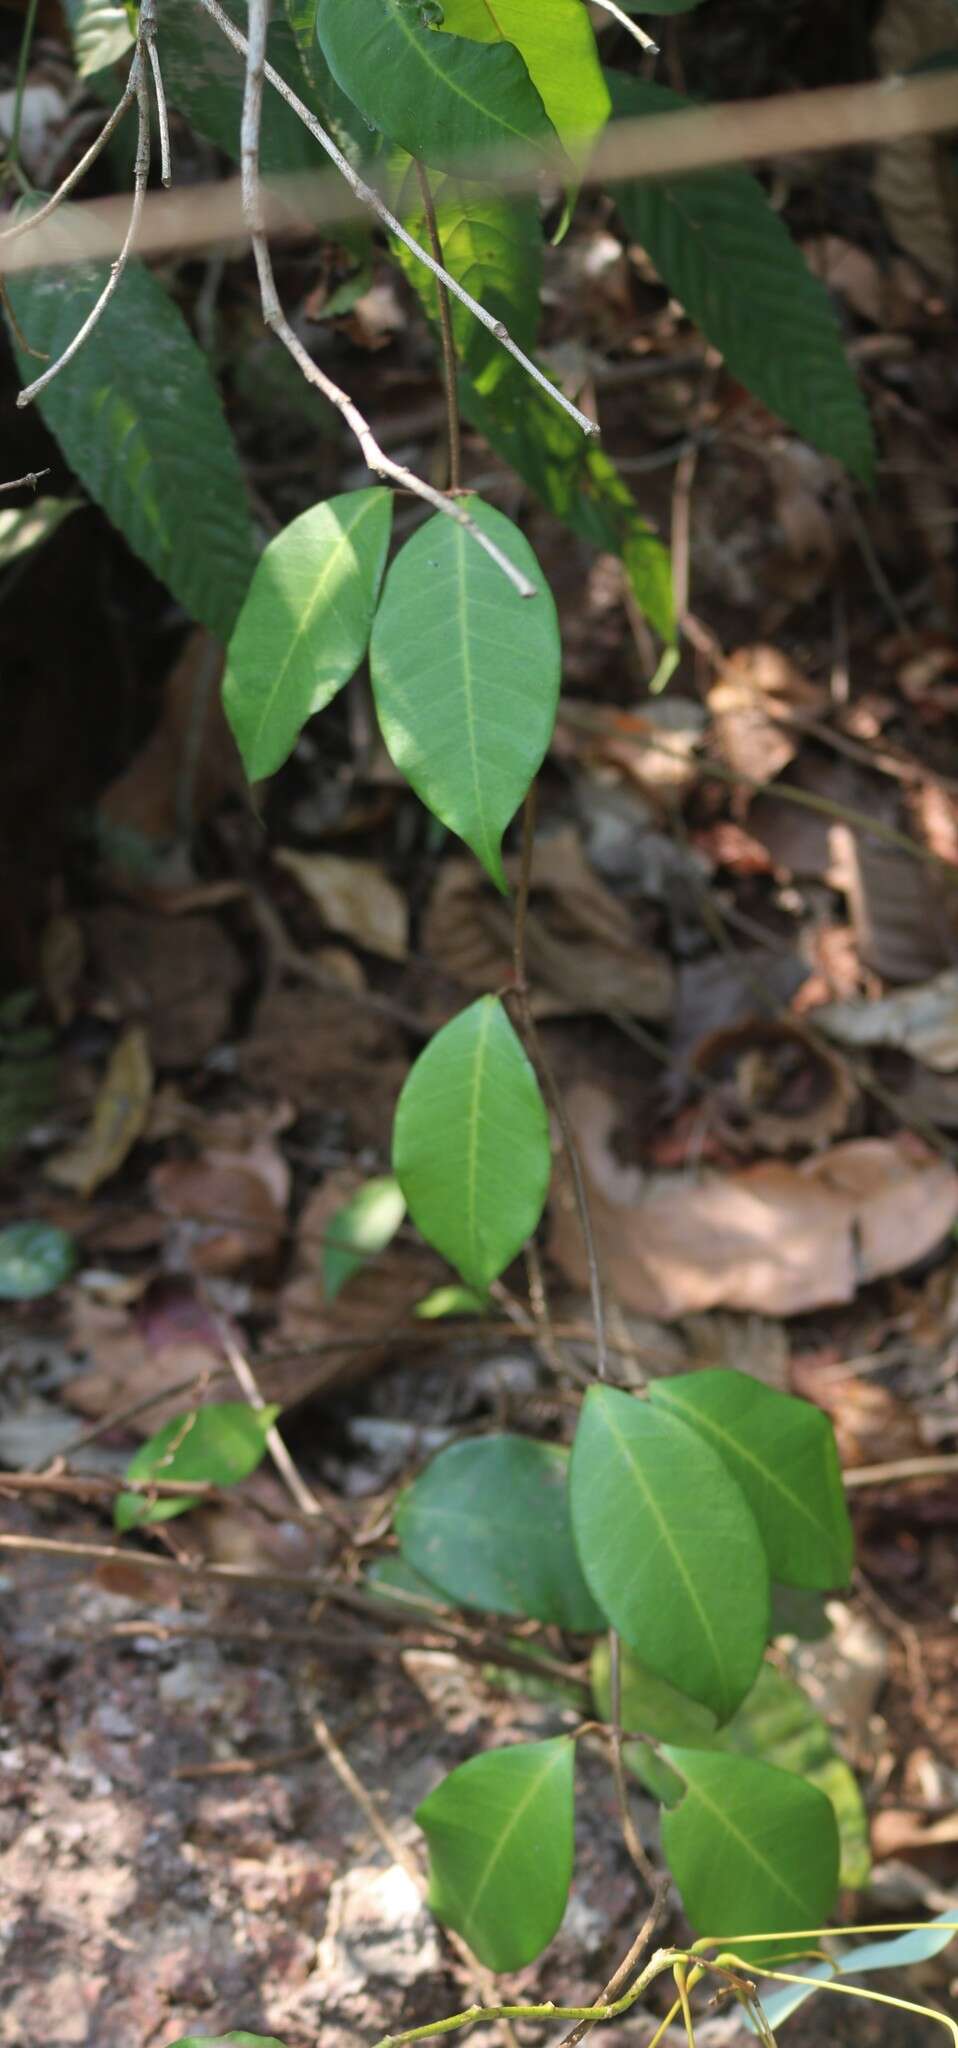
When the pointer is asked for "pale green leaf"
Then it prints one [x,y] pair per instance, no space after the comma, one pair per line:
[449,1301]
[304,627]
[364,1225]
[753,1849]
[728,258]
[782,1453]
[216,1445]
[34,1259]
[442,98]
[500,1835]
[901,1952]
[100,32]
[140,421]
[669,1547]
[557,45]
[28,526]
[466,676]
[573,477]
[488,1522]
[471,1143]
[492,246]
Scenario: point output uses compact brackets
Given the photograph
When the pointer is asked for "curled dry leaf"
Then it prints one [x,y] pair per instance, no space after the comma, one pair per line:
[353,897]
[772,1090]
[757,706]
[922,1021]
[119,1115]
[583,950]
[231,1206]
[774,1238]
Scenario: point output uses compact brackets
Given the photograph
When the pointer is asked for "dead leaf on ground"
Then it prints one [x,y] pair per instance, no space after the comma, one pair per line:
[904,910]
[134,1352]
[849,270]
[119,1115]
[176,779]
[757,705]
[896,1829]
[335,1060]
[353,897]
[775,1238]
[583,949]
[719,991]
[921,1021]
[230,1206]
[178,979]
[915,180]
[872,1424]
[771,1090]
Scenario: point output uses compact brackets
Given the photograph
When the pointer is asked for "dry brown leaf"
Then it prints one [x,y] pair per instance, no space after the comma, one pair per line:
[187,764]
[333,1058]
[178,978]
[133,1353]
[775,1238]
[119,1115]
[583,950]
[904,913]
[231,1206]
[757,705]
[845,268]
[772,1091]
[896,1829]
[872,1425]
[921,1021]
[915,180]
[353,897]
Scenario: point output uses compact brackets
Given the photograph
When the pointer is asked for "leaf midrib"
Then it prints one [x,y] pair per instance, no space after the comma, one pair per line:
[719,1813]
[446,78]
[697,1417]
[344,541]
[548,1767]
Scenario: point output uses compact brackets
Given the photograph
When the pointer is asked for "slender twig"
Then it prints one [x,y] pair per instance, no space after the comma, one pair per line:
[618,1982]
[31,480]
[632,27]
[939,1465]
[453,425]
[380,463]
[372,199]
[26,44]
[28,222]
[141,171]
[243,1372]
[148,38]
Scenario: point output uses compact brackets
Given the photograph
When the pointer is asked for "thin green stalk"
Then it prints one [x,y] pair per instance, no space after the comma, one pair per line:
[26,43]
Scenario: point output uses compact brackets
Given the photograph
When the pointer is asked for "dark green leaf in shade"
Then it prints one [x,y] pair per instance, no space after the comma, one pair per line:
[34,1259]
[500,1835]
[488,1522]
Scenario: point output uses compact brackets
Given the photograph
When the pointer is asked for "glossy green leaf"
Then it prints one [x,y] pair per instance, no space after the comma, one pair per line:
[500,1835]
[471,1145]
[753,1849]
[466,676]
[27,526]
[216,1445]
[725,254]
[442,98]
[364,1225]
[492,246]
[782,1453]
[670,1548]
[140,421]
[488,1522]
[449,1301]
[337,112]
[204,75]
[901,1952]
[648,1705]
[100,32]
[34,1259]
[304,627]
[572,476]
[557,45]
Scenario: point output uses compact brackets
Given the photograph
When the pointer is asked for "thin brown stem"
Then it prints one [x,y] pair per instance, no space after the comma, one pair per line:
[449,367]
[617,1983]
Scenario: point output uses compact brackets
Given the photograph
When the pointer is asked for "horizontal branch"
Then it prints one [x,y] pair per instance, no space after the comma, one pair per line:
[836,117]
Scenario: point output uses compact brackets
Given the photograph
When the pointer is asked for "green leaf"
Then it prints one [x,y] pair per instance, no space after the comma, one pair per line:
[724,253]
[337,112]
[753,1849]
[573,477]
[500,1835]
[204,77]
[466,676]
[555,41]
[782,1453]
[34,1259]
[396,1583]
[471,1143]
[216,1445]
[901,1953]
[488,1522]
[28,526]
[304,627]
[100,33]
[442,98]
[449,1301]
[669,1547]
[227,2041]
[139,419]
[492,246]
[364,1225]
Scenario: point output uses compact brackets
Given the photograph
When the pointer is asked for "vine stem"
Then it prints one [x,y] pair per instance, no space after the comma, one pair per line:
[453,422]
[26,44]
